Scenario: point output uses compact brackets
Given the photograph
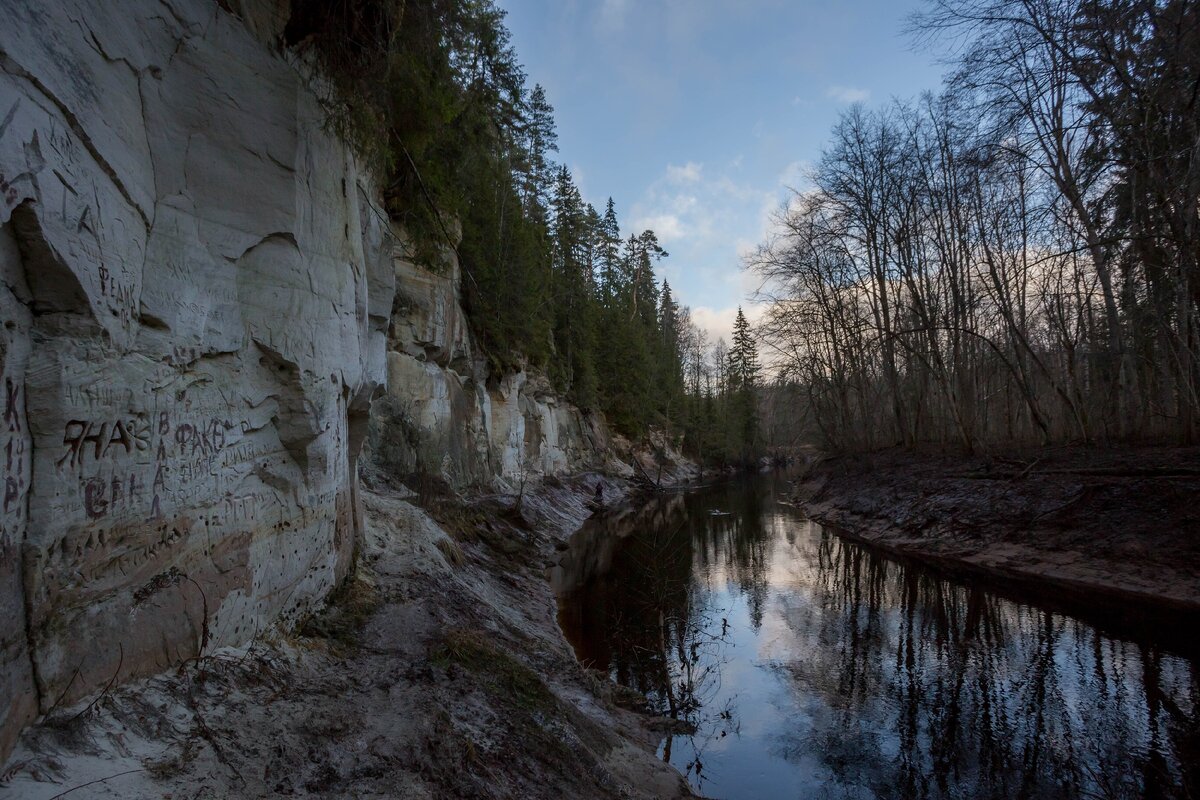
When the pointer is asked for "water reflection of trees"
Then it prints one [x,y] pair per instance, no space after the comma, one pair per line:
[905,685]
[653,619]
[663,619]
[931,689]
[734,544]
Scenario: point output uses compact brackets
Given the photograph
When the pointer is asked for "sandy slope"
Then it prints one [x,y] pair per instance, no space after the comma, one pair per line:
[440,673]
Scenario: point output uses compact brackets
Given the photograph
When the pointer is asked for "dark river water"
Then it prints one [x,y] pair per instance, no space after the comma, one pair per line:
[812,667]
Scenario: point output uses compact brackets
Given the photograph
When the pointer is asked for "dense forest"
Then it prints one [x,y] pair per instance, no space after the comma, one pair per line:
[1011,260]
[433,96]
[1015,259]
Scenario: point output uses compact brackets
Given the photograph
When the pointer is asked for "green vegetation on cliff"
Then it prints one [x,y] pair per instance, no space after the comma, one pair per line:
[432,95]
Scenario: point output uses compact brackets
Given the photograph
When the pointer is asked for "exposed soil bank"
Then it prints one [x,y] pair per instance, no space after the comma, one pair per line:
[439,672]
[1109,531]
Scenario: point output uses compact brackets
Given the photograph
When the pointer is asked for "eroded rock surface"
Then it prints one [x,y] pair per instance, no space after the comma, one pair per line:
[200,299]
[445,416]
[439,672]
[195,288]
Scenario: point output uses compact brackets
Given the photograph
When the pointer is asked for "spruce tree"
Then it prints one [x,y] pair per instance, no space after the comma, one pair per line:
[746,350]
[670,359]
[608,246]
[743,369]
[573,365]
[541,140]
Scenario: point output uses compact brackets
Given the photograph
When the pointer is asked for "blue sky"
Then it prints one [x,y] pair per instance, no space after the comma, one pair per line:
[695,115]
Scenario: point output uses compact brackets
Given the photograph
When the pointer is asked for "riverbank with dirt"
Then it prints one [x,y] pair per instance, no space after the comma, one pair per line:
[439,671]
[1116,531]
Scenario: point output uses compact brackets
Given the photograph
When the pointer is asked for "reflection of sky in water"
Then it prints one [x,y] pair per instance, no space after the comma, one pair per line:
[844,675]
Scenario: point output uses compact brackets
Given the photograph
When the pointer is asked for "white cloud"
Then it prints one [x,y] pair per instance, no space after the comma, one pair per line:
[579,176]
[795,173]
[848,94]
[684,204]
[688,173]
[718,322]
[745,283]
[667,227]
[745,247]
[709,222]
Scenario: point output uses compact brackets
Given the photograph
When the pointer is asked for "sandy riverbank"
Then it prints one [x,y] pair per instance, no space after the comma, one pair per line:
[439,672]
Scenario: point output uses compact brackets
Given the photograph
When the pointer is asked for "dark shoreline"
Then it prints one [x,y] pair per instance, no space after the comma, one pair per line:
[1128,561]
[1135,617]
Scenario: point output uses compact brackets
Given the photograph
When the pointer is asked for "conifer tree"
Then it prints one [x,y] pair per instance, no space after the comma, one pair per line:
[641,253]
[541,140]
[746,352]
[608,248]
[547,282]
[573,366]
[669,360]
[592,251]
[743,378]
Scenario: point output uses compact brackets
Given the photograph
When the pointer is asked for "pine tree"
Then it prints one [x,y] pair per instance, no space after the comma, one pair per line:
[541,140]
[641,253]
[746,352]
[573,366]
[593,222]
[669,358]
[608,246]
[548,284]
[743,380]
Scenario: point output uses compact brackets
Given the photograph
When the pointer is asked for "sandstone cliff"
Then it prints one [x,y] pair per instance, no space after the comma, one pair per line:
[195,296]
[443,415]
[201,299]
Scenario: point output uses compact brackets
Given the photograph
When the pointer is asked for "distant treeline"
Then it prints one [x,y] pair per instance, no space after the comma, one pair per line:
[1016,259]
[433,96]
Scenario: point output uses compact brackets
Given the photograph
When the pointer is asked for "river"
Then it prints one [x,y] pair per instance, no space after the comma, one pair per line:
[803,665]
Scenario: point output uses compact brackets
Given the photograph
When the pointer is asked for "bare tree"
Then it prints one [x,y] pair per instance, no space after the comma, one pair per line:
[1015,259]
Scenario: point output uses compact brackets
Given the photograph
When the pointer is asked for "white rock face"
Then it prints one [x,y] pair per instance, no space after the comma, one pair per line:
[195,291]
[442,415]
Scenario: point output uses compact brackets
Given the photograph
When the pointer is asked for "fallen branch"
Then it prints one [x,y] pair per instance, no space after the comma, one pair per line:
[1025,471]
[107,686]
[98,780]
[70,683]
[646,479]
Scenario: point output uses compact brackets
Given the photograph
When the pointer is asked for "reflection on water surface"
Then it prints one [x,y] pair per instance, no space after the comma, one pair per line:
[811,667]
